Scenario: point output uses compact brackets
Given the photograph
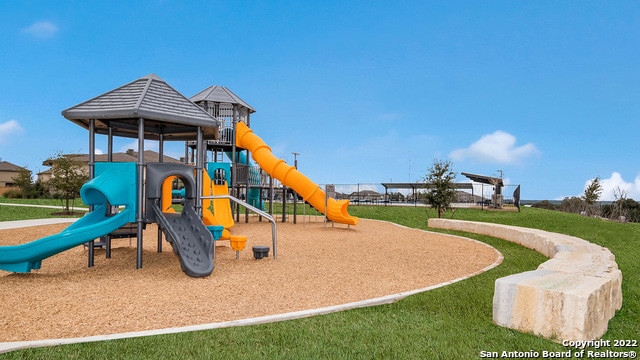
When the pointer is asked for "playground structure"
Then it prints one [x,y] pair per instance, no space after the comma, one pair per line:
[131,195]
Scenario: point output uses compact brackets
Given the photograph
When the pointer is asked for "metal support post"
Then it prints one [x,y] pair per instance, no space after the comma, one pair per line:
[140,216]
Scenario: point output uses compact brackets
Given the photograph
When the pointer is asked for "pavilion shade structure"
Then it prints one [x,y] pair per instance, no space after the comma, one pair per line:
[165,112]
[484,179]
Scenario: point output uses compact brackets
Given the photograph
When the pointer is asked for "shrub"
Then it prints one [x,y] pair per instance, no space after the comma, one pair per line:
[13,194]
[544,204]
[628,208]
[573,204]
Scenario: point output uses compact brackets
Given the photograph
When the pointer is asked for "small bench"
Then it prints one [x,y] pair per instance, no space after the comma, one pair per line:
[572,296]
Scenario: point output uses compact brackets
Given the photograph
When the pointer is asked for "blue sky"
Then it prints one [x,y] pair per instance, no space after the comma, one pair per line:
[366,91]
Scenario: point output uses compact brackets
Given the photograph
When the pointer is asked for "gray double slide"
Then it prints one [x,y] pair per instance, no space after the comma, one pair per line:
[192,242]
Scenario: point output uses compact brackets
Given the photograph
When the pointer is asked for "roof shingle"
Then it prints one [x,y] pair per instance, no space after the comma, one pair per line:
[168,112]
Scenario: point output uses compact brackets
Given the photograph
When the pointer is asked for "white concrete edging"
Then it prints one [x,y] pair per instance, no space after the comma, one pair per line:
[572,296]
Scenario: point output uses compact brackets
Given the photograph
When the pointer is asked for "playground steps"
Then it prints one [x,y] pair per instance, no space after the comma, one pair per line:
[129,230]
[572,296]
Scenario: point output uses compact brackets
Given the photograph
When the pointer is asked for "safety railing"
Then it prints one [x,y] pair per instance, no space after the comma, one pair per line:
[274,232]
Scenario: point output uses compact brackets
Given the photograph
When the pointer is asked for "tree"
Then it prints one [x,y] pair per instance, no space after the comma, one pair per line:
[593,191]
[572,204]
[440,180]
[68,176]
[618,206]
[26,188]
[24,182]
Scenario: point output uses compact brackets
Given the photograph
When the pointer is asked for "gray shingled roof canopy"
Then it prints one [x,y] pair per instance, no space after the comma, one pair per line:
[220,94]
[164,110]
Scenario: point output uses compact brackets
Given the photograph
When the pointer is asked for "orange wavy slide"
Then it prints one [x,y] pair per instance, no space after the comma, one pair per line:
[336,210]
[222,214]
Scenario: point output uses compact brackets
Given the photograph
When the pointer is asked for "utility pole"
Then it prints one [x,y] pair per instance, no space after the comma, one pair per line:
[295,195]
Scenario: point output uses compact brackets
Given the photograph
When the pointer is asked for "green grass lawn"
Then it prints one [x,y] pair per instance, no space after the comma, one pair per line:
[8,212]
[453,322]
[48,202]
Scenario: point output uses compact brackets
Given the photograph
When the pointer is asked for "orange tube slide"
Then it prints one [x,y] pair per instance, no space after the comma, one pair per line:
[289,176]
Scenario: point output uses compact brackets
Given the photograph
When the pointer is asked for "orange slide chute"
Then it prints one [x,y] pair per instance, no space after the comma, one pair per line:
[214,211]
[336,210]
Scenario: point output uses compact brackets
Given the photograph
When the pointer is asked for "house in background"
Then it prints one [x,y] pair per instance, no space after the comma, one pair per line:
[128,156]
[366,196]
[8,171]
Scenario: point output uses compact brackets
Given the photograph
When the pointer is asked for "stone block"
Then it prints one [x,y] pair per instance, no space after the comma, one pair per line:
[572,296]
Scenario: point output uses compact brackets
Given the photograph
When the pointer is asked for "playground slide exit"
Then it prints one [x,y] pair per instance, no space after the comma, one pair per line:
[336,210]
[221,215]
[116,185]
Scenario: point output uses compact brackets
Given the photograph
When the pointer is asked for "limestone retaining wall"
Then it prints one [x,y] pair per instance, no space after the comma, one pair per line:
[572,296]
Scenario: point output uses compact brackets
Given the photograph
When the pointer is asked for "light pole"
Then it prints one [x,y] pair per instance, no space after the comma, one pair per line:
[295,195]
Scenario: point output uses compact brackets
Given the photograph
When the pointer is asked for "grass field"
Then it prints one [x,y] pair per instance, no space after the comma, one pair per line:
[453,322]
[39,209]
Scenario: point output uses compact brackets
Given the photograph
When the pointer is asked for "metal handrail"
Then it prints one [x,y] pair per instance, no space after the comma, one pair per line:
[274,234]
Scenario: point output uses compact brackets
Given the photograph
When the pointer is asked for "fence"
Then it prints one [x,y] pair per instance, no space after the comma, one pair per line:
[467,194]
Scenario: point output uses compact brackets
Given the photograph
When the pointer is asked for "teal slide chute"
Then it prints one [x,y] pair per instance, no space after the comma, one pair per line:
[115,184]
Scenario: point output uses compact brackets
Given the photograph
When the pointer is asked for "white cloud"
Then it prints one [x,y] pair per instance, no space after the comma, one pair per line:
[9,128]
[497,148]
[614,184]
[41,29]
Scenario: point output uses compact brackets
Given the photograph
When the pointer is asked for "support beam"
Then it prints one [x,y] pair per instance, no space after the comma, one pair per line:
[92,162]
[140,219]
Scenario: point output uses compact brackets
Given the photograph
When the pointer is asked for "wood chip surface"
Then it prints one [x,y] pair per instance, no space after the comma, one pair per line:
[317,266]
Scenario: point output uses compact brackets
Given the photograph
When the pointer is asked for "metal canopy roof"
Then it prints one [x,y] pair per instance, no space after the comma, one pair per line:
[220,94]
[164,110]
[484,179]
